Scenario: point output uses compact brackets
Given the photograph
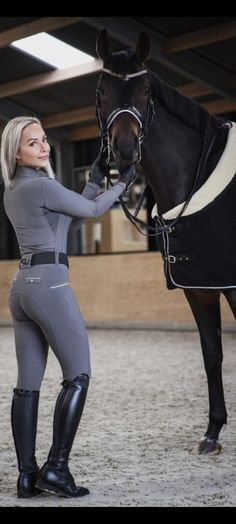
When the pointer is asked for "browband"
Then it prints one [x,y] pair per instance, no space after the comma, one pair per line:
[125,77]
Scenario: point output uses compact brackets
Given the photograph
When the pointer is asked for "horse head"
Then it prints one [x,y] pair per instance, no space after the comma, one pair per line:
[124,104]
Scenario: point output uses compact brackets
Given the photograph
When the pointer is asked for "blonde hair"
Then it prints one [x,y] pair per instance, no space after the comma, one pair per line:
[10,145]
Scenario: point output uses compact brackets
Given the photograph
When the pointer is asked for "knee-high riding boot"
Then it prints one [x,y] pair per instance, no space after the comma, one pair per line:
[24,416]
[55,476]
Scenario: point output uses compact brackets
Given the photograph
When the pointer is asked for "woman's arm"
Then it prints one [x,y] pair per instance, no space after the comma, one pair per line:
[57,198]
[90,191]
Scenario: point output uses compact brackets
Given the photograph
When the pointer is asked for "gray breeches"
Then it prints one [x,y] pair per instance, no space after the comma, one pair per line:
[46,313]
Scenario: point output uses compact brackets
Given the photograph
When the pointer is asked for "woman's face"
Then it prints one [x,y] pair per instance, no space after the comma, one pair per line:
[34,148]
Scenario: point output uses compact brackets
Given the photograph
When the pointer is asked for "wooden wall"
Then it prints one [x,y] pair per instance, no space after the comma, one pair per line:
[117,233]
[122,289]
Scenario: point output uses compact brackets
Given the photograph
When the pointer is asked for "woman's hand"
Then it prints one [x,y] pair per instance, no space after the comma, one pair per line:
[98,170]
[128,176]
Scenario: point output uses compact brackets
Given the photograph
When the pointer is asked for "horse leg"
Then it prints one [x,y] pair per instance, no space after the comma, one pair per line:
[205,307]
[230,295]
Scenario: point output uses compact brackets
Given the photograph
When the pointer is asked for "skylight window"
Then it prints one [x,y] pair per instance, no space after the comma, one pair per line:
[51,50]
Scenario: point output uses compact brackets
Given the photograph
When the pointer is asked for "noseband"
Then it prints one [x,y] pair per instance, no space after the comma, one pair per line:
[105,125]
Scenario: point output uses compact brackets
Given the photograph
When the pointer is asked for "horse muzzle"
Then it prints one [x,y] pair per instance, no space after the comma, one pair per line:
[125,152]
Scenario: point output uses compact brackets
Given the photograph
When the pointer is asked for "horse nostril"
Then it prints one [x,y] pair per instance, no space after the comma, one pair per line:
[126,146]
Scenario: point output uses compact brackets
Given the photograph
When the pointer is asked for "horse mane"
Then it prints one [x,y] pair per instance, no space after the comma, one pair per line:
[185,109]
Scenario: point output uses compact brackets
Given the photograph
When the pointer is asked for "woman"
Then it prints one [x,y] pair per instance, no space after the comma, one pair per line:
[43,307]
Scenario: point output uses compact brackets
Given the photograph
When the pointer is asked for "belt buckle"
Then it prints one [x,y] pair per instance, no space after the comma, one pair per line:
[24,261]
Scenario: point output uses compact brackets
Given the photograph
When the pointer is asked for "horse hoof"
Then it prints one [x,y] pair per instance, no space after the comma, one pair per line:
[209,446]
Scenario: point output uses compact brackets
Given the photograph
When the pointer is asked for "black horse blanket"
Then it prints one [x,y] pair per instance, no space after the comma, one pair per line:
[199,251]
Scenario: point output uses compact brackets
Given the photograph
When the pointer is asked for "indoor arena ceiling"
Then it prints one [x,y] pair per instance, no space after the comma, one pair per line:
[194,54]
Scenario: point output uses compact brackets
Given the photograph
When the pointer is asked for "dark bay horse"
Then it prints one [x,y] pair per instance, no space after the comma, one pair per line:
[179,146]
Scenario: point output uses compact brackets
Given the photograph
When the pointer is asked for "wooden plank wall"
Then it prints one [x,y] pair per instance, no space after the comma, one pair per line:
[121,289]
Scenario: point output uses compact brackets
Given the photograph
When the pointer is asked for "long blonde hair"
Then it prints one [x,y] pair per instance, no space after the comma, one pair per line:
[10,145]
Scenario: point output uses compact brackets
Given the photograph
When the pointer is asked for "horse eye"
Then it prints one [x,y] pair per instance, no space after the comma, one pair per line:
[101,90]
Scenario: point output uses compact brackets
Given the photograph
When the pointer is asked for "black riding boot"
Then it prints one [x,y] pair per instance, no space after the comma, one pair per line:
[55,476]
[24,415]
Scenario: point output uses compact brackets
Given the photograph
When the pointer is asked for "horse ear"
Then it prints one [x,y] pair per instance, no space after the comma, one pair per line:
[103,45]
[142,47]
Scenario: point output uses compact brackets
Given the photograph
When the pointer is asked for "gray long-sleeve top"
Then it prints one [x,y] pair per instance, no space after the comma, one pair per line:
[41,210]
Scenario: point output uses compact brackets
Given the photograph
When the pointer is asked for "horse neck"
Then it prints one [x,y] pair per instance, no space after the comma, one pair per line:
[173,151]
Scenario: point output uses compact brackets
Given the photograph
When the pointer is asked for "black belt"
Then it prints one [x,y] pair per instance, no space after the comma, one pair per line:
[46,257]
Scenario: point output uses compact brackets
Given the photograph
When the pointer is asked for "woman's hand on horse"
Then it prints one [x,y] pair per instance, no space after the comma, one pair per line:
[98,170]
[128,176]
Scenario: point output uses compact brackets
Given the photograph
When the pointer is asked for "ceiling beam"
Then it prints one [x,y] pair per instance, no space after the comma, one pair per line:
[194,90]
[49,23]
[189,64]
[46,79]
[88,114]
[218,107]
[85,114]
[77,116]
[61,75]
[206,36]
[83,133]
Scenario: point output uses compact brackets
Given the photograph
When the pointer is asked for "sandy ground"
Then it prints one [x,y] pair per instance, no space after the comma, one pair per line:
[146,409]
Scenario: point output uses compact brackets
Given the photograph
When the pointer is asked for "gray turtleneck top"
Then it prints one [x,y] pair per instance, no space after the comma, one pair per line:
[41,210]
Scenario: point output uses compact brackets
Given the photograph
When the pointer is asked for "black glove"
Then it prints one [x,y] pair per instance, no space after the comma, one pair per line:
[128,176]
[98,169]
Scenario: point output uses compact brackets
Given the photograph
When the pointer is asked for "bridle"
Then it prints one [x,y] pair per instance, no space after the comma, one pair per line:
[105,125]
[144,124]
